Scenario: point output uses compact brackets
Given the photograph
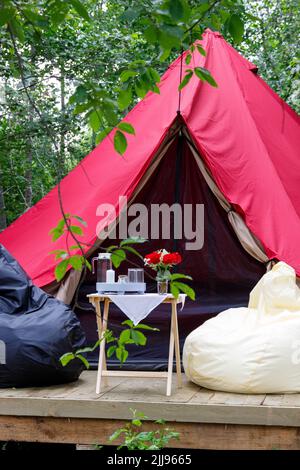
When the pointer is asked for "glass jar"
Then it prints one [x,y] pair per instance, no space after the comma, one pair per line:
[103,265]
[162,287]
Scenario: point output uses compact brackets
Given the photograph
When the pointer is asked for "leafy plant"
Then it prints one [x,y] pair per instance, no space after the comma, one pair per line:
[131,335]
[162,262]
[136,439]
[66,358]
[119,252]
[177,286]
[76,261]
[66,257]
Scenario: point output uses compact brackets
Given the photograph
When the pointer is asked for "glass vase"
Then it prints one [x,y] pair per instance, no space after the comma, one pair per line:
[162,287]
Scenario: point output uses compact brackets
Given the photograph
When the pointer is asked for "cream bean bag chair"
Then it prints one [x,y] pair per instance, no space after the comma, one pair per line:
[254,349]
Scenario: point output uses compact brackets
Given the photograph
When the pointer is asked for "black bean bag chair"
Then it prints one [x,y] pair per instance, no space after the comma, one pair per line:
[35,331]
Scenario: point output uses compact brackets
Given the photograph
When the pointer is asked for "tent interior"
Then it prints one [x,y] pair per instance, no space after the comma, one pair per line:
[223,272]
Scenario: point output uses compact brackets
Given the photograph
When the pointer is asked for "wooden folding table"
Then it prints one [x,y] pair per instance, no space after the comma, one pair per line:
[102,319]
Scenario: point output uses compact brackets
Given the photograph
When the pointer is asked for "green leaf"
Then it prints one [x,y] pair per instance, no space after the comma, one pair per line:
[66,358]
[185,80]
[117,257]
[116,434]
[136,422]
[103,134]
[17,29]
[80,94]
[84,360]
[56,233]
[170,36]
[133,240]
[133,251]
[164,54]
[88,264]
[151,34]
[188,59]
[127,74]
[176,9]
[141,88]
[142,326]
[80,219]
[126,127]
[236,28]
[138,337]
[76,229]
[34,17]
[124,99]
[175,276]
[128,323]
[80,8]
[205,76]
[76,262]
[74,247]
[184,288]
[201,50]
[174,290]
[59,253]
[154,74]
[120,142]
[60,269]
[6,14]
[124,336]
[121,354]
[94,120]
[111,350]
[160,421]
[88,348]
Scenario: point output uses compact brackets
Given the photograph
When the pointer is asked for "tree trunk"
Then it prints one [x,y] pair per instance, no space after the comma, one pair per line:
[3,222]
[28,172]
[62,148]
[29,150]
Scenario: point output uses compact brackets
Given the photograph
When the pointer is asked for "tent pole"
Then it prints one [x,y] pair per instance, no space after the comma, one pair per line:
[178,170]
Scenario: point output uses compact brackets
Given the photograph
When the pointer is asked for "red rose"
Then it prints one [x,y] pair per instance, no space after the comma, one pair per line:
[152,258]
[172,258]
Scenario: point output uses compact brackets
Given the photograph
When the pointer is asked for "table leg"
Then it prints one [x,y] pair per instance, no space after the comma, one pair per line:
[177,344]
[97,306]
[102,361]
[171,356]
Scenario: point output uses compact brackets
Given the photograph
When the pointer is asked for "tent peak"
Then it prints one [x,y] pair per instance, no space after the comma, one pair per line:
[217,34]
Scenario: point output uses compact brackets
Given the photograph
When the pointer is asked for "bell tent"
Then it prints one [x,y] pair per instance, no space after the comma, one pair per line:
[233,149]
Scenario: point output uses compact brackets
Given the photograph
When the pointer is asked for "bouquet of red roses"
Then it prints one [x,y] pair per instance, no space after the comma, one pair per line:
[162,261]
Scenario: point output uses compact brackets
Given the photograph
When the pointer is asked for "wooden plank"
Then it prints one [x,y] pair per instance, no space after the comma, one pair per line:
[169,410]
[192,435]
[223,398]
[134,374]
[274,400]
[149,390]
[88,392]
[291,399]
[188,404]
[201,396]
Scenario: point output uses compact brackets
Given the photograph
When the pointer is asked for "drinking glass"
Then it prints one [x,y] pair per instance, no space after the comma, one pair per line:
[122,278]
[132,275]
[139,275]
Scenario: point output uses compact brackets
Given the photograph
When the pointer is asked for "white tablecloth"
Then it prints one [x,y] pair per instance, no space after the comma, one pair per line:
[138,306]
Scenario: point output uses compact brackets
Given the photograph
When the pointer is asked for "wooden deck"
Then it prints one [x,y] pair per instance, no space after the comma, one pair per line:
[206,419]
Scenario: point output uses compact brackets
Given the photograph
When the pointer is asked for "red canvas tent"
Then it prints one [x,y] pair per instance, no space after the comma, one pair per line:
[246,137]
